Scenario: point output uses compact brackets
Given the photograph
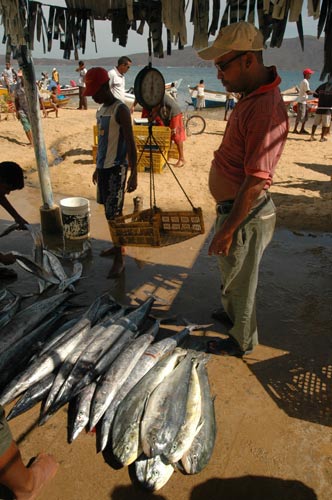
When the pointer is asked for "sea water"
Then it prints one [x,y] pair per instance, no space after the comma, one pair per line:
[190,77]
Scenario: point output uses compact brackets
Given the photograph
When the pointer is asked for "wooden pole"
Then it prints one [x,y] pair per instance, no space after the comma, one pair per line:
[51,224]
[30,88]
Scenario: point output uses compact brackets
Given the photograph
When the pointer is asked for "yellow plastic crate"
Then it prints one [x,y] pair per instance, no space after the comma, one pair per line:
[173,151]
[95,143]
[95,135]
[161,136]
[158,161]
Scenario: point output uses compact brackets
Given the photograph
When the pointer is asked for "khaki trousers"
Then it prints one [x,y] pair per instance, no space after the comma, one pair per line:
[239,272]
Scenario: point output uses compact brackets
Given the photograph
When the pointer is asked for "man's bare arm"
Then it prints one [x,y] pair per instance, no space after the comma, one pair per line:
[244,201]
[124,119]
[11,210]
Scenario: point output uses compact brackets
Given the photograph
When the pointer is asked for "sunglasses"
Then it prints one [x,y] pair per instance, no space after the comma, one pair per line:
[222,66]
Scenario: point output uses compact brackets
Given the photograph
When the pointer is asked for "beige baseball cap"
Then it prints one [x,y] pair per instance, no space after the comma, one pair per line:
[241,36]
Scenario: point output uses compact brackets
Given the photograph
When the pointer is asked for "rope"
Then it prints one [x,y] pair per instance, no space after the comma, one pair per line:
[172,171]
[149,143]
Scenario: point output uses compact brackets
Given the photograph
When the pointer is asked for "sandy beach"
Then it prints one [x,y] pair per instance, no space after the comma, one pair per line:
[273,409]
[301,188]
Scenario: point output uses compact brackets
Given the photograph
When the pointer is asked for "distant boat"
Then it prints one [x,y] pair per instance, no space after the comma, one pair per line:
[130,96]
[213,98]
[290,96]
[291,99]
[312,105]
[69,91]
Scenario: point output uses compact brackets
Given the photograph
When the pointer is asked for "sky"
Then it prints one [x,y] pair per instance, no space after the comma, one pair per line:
[137,43]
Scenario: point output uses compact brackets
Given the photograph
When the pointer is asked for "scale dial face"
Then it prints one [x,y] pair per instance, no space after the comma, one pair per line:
[149,87]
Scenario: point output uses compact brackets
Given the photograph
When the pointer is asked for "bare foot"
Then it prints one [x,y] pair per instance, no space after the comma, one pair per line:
[180,164]
[117,268]
[110,252]
[115,272]
[43,470]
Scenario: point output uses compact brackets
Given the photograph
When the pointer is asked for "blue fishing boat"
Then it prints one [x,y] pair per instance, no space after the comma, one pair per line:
[213,98]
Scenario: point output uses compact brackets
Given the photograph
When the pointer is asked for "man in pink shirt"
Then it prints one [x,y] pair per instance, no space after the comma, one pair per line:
[240,176]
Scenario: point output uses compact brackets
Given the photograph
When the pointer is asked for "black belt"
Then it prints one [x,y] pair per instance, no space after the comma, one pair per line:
[225,207]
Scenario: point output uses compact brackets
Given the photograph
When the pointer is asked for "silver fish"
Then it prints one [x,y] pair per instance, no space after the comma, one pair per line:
[118,372]
[56,266]
[200,451]
[56,336]
[71,359]
[81,410]
[153,473]
[99,307]
[45,364]
[43,285]
[95,360]
[83,372]
[32,396]
[68,282]
[32,267]
[22,350]
[9,310]
[148,359]
[29,318]
[188,429]
[166,409]
[38,256]
[126,443]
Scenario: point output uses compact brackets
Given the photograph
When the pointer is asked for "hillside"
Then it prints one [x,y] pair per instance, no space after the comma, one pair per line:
[288,57]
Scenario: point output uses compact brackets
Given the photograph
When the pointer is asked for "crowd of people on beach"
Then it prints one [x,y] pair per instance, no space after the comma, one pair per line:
[48,90]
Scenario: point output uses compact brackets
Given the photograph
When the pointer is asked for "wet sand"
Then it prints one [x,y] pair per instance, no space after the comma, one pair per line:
[274,408]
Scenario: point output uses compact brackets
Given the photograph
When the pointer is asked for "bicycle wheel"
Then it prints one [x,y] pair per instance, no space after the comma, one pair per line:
[195,125]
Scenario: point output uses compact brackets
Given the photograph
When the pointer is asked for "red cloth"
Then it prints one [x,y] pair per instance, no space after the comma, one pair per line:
[157,120]
[255,136]
[178,132]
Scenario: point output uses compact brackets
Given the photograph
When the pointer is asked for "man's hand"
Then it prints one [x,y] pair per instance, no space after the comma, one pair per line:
[244,202]
[221,243]
[132,182]
[95,176]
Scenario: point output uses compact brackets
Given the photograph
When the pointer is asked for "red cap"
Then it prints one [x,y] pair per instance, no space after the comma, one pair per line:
[308,71]
[94,79]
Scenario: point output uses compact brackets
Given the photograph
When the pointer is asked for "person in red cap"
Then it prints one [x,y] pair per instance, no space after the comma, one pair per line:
[302,110]
[241,173]
[116,152]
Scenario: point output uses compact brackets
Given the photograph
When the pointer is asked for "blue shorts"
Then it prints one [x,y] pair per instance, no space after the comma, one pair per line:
[25,121]
[230,104]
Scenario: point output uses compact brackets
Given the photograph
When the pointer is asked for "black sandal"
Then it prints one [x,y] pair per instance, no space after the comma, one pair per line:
[226,347]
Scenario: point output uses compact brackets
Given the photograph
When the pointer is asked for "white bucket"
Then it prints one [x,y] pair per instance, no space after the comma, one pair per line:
[75,214]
